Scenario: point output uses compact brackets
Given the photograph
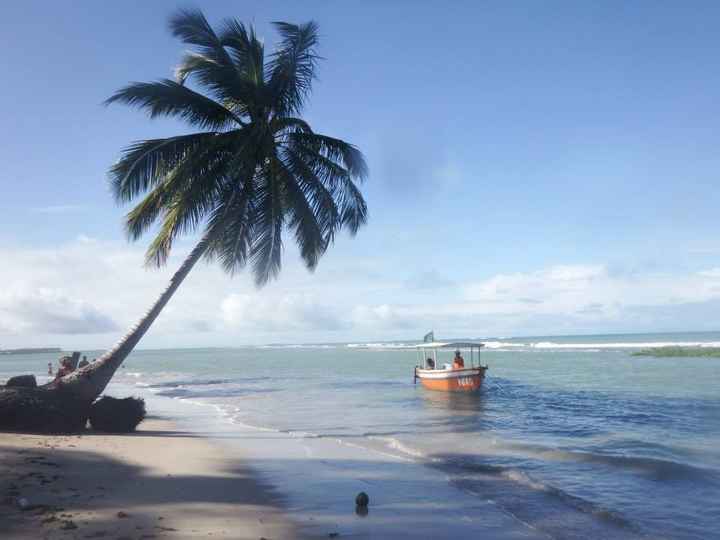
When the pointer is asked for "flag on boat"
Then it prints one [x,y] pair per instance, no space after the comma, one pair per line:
[429,337]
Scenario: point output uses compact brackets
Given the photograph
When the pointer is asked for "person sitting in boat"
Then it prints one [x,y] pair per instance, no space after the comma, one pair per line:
[458,361]
[430,363]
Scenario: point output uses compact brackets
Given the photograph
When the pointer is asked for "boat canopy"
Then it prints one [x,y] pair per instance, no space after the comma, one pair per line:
[450,345]
[432,348]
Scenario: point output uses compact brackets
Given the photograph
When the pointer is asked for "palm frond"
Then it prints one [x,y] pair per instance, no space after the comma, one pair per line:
[292,67]
[334,149]
[148,211]
[191,26]
[340,184]
[231,227]
[353,208]
[282,125]
[328,171]
[266,248]
[237,93]
[224,73]
[324,204]
[302,209]
[201,171]
[145,164]
[183,214]
[190,193]
[246,50]
[169,98]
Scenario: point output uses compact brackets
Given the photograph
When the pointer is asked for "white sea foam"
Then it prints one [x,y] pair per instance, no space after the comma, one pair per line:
[244,424]
[298,346]
[374,450]
[502,345]
[379,346]
[395,444]
[521,478]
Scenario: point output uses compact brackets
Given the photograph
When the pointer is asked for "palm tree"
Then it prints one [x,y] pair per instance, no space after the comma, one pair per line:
[253,169]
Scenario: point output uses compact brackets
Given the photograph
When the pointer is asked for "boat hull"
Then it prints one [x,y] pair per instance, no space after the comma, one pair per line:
[452,380]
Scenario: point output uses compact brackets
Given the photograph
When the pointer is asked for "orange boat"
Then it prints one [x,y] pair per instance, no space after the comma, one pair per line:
[449,377]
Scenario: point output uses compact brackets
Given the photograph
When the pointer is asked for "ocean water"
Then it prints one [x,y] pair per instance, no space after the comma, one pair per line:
[570,438]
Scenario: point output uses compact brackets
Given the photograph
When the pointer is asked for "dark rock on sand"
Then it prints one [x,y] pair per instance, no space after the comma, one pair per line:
[117,415]
[68,525]
[26,381]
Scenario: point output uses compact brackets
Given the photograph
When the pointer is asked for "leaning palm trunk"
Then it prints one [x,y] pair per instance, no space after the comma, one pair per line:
[89,382]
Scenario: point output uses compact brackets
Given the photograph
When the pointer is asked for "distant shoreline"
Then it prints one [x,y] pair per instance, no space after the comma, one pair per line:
[31,350]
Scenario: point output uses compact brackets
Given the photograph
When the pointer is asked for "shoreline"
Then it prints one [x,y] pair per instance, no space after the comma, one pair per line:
[159,482]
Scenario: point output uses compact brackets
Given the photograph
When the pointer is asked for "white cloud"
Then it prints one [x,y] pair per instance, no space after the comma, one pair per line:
[535,286]
[387,317]
[49,311]
[267,312]
[87,292]
[587,293]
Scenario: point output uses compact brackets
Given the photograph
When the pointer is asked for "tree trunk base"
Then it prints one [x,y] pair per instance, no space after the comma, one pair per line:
[42,410]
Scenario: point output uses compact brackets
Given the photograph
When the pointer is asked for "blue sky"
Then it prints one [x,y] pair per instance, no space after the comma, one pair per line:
[536,168]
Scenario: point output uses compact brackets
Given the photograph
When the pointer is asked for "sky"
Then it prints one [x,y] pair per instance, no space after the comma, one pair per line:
[535,169]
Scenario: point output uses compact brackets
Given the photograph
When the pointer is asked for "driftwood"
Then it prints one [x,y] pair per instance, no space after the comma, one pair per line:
[42,409]
[117,415]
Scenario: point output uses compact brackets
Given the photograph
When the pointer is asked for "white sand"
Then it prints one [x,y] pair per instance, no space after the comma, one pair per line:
[166,483]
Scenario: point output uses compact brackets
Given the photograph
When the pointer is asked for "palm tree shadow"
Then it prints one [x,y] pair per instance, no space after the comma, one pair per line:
[63,484]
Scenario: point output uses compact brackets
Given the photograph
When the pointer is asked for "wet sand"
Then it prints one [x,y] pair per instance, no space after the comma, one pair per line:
[156,483]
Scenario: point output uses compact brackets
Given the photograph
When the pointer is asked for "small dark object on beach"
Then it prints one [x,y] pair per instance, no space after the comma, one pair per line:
[117,415]
[26,381]
[68,525]
[362,499]
[122,514]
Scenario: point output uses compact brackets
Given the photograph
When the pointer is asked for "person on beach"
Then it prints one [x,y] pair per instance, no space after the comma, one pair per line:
[458,361]
[49,368]
[65,367]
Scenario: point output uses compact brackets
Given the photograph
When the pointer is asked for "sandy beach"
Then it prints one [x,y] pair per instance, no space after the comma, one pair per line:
[156,483]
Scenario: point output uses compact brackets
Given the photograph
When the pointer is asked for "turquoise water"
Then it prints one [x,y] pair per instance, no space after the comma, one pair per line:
[572,437]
